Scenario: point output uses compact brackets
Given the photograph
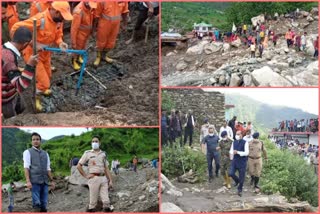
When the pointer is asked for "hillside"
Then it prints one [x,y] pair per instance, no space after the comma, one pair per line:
[264,116]
[182,15]
[118,143]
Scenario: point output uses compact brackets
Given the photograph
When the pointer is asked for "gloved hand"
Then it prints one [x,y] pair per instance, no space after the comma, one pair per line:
[63,46]
[33,60]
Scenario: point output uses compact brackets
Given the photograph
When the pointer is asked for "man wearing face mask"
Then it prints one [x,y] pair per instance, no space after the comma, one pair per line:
[226,128]
[81,29]
[37,171]
[99,175]
[49,33]
[13,81]
[212,142]
[240,150]
[248,136]
[225,144]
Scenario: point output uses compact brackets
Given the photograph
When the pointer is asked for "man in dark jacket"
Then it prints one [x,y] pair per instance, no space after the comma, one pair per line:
[232,125]
[240,150]
[212,143]
[189,126]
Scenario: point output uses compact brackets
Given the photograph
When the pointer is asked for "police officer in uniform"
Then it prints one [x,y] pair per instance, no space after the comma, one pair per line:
[256,149]
[225,145]
[99,175]
[212,142]
[240,150]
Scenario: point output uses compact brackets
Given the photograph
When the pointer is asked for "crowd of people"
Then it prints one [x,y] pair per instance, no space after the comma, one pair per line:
[256,37]
[307,151]
[302,125]
[102,20]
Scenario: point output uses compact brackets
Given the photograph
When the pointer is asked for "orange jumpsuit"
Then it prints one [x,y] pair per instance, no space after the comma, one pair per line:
[81,26]
[12,15]
[38,7]
[109,14]
[48,33]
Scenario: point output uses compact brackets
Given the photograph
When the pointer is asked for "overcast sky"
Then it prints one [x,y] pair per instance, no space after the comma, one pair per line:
[306,99]
[48,133]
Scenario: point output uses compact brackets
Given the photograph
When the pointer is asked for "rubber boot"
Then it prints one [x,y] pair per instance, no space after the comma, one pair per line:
[75,64]
[38,104]
[108,59]
[225,180]
[98,59]
[80,59]
[256,181]
[228,182]
[47,92]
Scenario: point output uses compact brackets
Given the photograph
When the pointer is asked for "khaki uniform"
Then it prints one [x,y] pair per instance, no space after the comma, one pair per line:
[225,156]
[256,149]
[99,183]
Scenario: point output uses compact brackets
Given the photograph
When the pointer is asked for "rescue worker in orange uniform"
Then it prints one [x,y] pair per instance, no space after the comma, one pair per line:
[109,16]
[49,33]
[81,28]
[12,14]
[39,7]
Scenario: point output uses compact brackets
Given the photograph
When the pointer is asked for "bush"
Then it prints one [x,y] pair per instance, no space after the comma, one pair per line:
[174,160]
[290,175]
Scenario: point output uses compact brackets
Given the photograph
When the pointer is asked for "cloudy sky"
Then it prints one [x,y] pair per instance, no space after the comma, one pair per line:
[48,133]
[306,99]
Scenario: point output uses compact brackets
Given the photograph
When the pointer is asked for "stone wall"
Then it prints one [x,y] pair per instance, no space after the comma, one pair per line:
[204,104]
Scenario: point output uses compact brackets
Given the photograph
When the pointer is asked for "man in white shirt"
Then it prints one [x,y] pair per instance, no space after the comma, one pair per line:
[37,171]
[240,150]
[227,129]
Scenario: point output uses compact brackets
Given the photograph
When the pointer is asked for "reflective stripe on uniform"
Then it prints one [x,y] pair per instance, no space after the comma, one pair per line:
[85,27]
[42,23]
[38,7]
[111,18]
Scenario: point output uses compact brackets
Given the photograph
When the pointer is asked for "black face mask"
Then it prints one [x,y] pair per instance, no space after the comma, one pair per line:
[56,19]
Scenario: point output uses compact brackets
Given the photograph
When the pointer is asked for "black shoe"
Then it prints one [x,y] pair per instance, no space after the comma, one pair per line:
[36,209]
[43,210]
[235,184]
[252,180]
[90,210]
[107,210]
[240,194]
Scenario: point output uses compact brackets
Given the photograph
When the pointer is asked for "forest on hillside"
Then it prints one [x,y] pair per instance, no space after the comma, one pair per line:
[119,143]
[182,15]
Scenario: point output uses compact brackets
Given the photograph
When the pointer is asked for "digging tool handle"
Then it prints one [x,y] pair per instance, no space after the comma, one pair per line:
[147,30]
[34,52]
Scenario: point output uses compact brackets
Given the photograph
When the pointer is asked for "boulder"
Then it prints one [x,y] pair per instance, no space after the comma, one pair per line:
[236,43]
[247,80]
[212,48]
[226,47]
[313,67]
[304,13]
[316,17]
[235,80]
[197,49]
[181,66]
[314,11]
[257,19]
[252,61]
[286,50]
[168,207]
[265,76]
[76,178]
[309,47]
[304,24]
[294,24]
[222,79]
[310,19]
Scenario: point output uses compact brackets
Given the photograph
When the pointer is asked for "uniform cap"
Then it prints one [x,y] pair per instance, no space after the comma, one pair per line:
[224,133]
[256,135]
[64,8]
